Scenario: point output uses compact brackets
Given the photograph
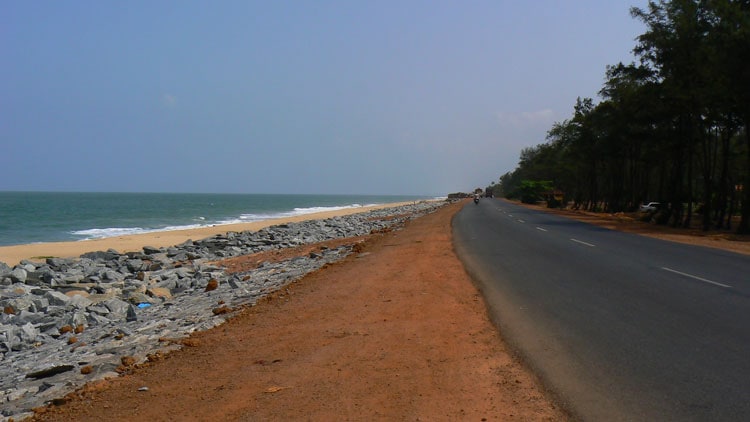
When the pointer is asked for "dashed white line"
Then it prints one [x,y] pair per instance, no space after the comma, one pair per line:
[583,243]
[521,221]
[539,228]
[696,278]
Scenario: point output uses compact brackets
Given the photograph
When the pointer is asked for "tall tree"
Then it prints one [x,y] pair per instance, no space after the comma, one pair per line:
[732,33]
[674,128]
[675,45]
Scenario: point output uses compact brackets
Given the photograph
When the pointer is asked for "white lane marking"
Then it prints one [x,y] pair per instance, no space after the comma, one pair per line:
[582,242]
[521,221]
[539,228]
[696,277]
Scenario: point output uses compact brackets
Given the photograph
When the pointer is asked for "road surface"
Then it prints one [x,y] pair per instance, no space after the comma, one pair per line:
[619,326]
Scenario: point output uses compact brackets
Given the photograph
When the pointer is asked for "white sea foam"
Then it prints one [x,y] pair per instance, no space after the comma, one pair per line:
[34,217]
[248,218]
[90,234]
[108,232]
[99,233]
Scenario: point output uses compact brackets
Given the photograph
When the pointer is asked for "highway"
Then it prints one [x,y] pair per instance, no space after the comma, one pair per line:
[618,326]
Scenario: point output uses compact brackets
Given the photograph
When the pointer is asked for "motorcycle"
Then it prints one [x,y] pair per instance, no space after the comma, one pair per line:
[476,199]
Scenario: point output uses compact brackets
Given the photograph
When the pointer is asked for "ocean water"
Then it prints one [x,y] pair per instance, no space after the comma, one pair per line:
[33,217]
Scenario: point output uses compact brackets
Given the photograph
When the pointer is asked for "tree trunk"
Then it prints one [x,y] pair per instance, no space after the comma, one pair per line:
[709,142]
[732,204]
[721,205]
[688,219]
[744,227]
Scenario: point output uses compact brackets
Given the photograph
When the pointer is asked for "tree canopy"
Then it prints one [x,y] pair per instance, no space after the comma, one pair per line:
[673,127]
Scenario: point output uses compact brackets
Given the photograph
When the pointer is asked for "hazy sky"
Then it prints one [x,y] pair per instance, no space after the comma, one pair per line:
[376,97]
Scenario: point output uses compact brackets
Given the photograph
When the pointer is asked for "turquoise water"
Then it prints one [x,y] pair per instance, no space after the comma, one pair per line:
[32,217]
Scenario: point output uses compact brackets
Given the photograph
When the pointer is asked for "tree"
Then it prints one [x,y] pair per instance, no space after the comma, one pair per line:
[675,46]
[731,35]
[673,128]
[532,191]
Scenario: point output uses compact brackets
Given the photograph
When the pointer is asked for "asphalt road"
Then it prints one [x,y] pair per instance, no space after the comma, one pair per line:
[618,326]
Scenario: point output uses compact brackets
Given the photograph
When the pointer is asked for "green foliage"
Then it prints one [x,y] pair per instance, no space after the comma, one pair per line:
[532,191]
[674,127]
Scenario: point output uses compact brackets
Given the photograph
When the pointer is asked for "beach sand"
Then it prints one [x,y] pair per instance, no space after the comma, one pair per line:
[12,255]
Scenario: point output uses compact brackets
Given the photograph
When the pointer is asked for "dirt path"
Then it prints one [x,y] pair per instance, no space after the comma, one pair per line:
[397,332]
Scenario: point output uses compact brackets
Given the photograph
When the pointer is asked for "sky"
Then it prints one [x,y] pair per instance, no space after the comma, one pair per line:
[324,97]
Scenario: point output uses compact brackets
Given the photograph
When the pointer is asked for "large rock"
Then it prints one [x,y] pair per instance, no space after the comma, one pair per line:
[60,264]
[134,265]
[159,292]
[80,301]
[131,315]
[101,255]
[4,269]
[111,275]
[150,250]
[41,276]
[118,308]
[28,333]
[16,305]
[19,275]
[56,298]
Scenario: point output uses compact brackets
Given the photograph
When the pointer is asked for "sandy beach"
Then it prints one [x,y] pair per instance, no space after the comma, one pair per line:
[12,255]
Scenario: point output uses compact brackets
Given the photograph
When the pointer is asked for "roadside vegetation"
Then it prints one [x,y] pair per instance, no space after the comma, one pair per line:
[673,127]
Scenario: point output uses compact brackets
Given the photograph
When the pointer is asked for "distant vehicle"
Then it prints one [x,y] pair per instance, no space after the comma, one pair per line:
[651,206]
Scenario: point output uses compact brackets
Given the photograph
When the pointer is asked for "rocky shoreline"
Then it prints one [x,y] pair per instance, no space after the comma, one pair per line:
[68,322]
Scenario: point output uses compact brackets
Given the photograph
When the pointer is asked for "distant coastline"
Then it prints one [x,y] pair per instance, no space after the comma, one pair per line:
[42,217]
[13,254]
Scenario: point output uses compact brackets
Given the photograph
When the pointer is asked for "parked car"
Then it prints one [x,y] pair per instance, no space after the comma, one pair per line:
[651,206]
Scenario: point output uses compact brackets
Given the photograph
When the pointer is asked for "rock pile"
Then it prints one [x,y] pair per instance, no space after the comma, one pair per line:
[66,322]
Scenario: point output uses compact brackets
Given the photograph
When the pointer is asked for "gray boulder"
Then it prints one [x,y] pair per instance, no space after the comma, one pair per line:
[60,264]
[56,298]
[80,302]
[18,304]
[118,307]
[18,275]
[150,250]
[101,255]
[28,333]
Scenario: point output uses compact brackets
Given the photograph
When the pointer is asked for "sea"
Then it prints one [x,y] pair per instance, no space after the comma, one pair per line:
[37,217]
